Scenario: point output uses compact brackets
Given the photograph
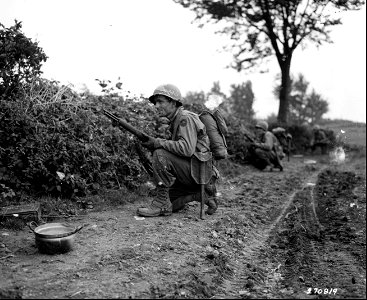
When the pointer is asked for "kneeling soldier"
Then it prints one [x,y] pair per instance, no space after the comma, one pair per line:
[178,163]
[266,151]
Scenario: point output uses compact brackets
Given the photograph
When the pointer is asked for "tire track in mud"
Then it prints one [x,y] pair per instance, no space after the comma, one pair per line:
[317,262]
[252,272]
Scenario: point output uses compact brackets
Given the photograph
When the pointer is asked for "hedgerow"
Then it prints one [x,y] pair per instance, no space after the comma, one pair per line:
[54,141]
[57,142]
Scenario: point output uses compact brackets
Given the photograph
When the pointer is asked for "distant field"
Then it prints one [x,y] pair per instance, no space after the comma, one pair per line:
[355,133]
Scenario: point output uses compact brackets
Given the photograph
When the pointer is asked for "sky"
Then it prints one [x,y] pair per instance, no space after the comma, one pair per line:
[147,43]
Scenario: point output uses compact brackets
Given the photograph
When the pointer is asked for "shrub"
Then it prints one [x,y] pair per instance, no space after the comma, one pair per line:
[57,142]
[20,59]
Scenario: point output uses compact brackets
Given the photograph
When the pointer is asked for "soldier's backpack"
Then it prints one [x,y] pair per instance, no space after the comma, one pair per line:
[216,129]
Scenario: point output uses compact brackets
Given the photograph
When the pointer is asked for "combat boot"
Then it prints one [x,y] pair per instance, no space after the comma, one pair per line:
[160,206]
[209,201]
[211,189]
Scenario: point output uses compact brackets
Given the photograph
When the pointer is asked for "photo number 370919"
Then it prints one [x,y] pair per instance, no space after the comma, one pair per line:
[318,291]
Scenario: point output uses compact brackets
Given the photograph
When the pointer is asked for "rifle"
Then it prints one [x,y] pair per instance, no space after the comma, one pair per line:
[139,134]
[249,137]
[143,158]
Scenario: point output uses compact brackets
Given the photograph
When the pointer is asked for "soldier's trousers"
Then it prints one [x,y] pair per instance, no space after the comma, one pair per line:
[261,158]
[323,147]
[174,172]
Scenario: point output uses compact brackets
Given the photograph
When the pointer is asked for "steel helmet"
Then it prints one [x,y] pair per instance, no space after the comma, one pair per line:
[316,127]
[168,90]
[263,125]
[278,130]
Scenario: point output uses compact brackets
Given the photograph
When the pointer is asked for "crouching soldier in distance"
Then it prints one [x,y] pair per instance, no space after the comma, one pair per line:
[284,140]
[266,151]
[178,163]
[319,140]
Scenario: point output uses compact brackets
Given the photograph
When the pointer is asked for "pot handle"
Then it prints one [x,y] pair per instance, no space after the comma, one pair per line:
[79,228]
[32,223]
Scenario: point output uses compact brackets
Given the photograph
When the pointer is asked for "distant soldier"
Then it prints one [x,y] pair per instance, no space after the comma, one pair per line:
[283,137]
[319,140]
[266,151]
[178,162]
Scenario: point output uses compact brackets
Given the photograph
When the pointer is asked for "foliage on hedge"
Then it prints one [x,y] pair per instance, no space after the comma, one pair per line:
[53,141]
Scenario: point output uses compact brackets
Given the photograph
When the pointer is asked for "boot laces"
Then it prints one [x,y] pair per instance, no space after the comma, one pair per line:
[161,198]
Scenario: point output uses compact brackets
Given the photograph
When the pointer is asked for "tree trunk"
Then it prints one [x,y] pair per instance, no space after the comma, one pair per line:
[285,66]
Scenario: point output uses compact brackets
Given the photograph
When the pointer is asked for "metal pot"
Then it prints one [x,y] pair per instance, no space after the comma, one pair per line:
[53,238]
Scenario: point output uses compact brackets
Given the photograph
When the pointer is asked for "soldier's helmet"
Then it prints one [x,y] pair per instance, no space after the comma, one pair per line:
[316,127]
[263,125]
[169,90]
[278,130]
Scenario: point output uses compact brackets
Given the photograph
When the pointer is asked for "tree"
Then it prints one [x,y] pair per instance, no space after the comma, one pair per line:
[20,59]
[202,97]
[195,97]
[260,29]
[304,106]
[242,99]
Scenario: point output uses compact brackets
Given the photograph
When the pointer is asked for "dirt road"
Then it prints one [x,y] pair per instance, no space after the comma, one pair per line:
[300,233]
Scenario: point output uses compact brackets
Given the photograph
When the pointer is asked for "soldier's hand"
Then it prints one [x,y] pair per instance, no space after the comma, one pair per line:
[150,143]
[115,123]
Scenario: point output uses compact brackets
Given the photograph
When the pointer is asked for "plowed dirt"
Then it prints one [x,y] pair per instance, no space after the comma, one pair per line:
[300,233]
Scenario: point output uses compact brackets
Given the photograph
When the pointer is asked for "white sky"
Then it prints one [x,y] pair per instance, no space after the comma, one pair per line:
[150,42]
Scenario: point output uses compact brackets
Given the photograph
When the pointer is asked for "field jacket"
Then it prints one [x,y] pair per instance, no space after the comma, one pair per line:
[269,142]
[189,139]
[319,137]
[189,136]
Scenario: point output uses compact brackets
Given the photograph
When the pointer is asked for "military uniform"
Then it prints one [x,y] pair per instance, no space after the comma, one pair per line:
[267,150]
[319,140]
[178,165]
[284,140]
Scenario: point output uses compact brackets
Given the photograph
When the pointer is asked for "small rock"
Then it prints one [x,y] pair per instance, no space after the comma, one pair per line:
[213,254]
[243,293]
[300,278]
[249,284]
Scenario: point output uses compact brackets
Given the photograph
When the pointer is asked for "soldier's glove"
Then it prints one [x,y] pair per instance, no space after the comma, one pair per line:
[150,144]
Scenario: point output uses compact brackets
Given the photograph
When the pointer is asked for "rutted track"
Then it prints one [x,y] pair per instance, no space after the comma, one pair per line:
[254,269]
[275,235]
[323,255]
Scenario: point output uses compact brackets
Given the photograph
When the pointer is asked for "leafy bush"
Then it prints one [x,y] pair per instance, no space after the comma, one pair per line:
[57,142]
[20,59]
[237,142]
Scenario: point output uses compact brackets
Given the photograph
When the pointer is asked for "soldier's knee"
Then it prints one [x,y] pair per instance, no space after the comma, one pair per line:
[258,151]
[159,152]
[159,158]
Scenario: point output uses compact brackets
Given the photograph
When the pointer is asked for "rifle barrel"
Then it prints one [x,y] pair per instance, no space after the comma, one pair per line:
[139,134]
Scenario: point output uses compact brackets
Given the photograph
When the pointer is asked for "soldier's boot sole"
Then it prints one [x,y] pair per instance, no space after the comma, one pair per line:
[146,212]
